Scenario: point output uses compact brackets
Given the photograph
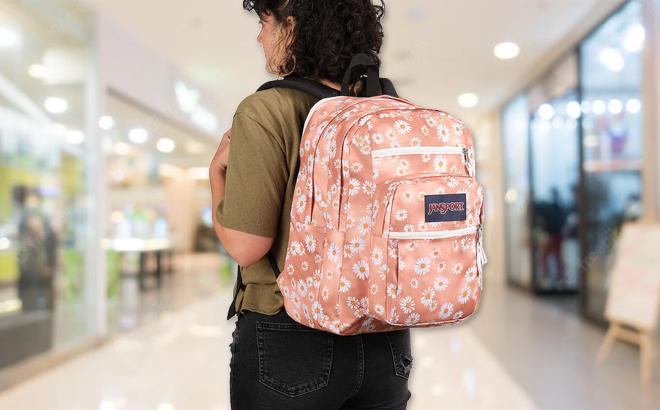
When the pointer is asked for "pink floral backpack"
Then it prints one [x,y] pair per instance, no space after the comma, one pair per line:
[386,221]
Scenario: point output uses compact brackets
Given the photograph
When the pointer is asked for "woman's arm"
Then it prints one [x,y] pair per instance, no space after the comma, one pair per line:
[244,247]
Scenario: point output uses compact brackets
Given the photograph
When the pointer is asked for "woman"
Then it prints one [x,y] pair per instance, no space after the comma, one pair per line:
[277,363]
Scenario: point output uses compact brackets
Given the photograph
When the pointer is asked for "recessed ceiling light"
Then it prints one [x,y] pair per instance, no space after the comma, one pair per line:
[37,71]
[546,111]
[633,105]
[56,105]
[106,122]
[615,106]
[468,100]
[74,137]
[138,135]
[612,59]
[506,50]
[165,145]
[598,107]
[573,109]
[8,37]
[634,40]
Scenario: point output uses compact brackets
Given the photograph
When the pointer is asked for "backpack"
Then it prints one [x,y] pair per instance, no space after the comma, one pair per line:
[386,220]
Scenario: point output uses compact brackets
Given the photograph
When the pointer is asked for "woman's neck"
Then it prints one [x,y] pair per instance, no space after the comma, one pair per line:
[336,86]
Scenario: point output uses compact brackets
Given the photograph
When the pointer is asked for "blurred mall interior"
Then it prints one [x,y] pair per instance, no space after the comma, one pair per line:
[114,288]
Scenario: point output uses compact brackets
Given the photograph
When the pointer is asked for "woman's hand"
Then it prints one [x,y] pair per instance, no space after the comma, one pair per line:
[219,162]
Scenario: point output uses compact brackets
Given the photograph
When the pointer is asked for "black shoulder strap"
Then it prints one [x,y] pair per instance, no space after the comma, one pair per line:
[297,82]
[317,89]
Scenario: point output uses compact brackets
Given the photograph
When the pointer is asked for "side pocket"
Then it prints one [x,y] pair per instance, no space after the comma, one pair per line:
[293,359]
[400,346]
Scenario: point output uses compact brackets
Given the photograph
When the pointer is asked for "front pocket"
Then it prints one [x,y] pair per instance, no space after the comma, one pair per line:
[293,359]
[434,277]
[427,234]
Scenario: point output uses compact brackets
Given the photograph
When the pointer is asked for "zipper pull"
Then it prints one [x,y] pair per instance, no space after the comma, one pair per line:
[468,163]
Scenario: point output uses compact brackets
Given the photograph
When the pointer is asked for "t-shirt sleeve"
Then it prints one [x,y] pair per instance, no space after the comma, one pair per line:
[256,179]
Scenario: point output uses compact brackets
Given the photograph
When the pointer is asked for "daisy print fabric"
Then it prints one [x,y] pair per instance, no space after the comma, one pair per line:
[363,255]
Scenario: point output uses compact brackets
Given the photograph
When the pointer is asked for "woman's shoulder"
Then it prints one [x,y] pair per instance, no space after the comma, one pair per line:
[275,102]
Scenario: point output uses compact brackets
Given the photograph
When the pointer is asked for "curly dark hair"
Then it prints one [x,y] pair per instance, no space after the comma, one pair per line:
[326,34]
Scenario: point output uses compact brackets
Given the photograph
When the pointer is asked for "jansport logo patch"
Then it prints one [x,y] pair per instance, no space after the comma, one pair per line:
[447,207]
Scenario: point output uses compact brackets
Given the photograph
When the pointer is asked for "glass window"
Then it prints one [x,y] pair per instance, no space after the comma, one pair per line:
[43,197]
[515,134]
[611,75]
[554,152]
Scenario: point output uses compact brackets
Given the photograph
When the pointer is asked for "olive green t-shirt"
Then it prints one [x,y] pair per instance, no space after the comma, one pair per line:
[262,169]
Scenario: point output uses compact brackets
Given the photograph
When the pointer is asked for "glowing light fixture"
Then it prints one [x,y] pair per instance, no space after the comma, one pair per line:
[56,105]
[106,122]
[138,135]
[506,50]
[468,100]
[165,145]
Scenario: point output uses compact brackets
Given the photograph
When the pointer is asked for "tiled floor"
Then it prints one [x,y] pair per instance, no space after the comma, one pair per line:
[516,353]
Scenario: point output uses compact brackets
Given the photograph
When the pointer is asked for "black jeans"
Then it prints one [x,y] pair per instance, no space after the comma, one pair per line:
[279,364]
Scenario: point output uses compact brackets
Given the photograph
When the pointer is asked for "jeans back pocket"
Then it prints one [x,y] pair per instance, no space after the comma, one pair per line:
[400,346]
[293,359]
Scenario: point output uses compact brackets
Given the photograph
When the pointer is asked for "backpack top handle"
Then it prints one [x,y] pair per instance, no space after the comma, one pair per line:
[373,81]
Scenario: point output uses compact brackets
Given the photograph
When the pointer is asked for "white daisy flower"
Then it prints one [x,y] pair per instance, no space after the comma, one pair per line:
[310,243]
[402,127]
[352,302]
[422,266]
[348,251]
[441,266]
[333,252]
[443,133]
[391,291]
[457,269]
[440,163]
[302,288]
[440,283]
[427,296]
[407,304]
[465,294]
[458,130]
[361,269]
[411,246]
[344,284]
[365,225]
[470,274]
[377,256]
[446,310]
[412,319]
[414,282]
[401,215]
[379,309]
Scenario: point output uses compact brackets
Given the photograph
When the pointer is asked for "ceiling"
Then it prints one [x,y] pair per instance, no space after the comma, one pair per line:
[434,50]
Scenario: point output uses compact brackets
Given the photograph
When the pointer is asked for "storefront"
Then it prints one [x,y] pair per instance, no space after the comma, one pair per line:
[104,153]
[44,164]
[572,150]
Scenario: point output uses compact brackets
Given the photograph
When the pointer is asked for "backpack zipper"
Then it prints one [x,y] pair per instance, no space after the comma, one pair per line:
[384,152]
[432,235]
[419,150]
